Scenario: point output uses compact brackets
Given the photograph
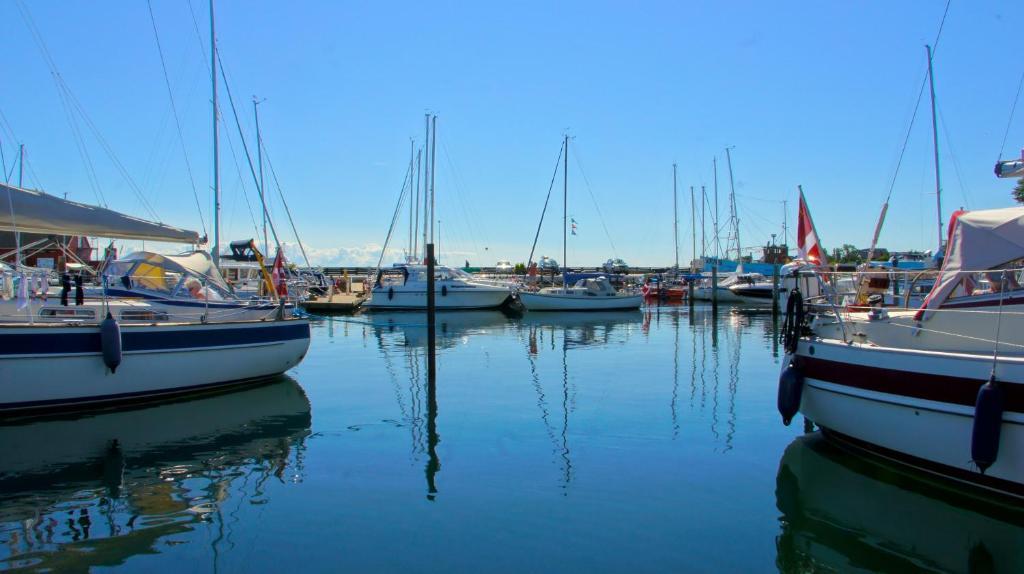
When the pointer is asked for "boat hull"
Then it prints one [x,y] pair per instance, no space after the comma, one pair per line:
[914,407]
[450,299]
[554,302]
[54,367]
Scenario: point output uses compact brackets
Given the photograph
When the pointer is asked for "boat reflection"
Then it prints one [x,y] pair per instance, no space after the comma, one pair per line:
[404,329]
[843,513]
[110,485]
[583,329]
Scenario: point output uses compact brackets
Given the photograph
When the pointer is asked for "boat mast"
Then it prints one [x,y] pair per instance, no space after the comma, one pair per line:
[412,176]
[718,241]
[215,252]
[416,216]
[703,216]
[935,143]
[433,170]
[693,225]
[259,155]
[675,215]
[565,209]
[426,187]
[732,209]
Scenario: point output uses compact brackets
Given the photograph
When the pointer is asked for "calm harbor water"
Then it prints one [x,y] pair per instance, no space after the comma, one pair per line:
[644,441]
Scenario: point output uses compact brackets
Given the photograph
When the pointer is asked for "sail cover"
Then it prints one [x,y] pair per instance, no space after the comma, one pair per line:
[978,240]
[38,212]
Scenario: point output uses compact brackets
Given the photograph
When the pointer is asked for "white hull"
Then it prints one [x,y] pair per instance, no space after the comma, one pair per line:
[915,407]
[706,294]
[557,302]
[50,366]
[451,298]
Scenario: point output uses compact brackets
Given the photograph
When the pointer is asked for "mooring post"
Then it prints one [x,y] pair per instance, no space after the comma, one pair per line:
[775,289]
[714,287]
[431,313]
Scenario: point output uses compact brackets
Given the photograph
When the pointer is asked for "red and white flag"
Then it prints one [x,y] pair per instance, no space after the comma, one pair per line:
[278,275]
[808,247]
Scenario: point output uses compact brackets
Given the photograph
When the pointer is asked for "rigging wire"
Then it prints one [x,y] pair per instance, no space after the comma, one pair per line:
[177,121]
[394,218]
[551,186]
[457,185]
[953,158]
[600,216]
[287,210]
[245,146]
[1009,122]
[241,183]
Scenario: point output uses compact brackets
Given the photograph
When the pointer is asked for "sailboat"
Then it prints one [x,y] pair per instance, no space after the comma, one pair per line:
[588,294]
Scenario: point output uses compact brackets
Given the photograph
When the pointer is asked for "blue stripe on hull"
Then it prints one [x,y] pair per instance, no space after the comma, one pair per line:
[160,339]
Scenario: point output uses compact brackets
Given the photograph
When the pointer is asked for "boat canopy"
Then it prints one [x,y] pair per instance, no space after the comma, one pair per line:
[163,272]
[978,241]
[38,212]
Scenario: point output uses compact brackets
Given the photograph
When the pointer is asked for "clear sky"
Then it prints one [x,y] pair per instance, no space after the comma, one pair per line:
[811,93]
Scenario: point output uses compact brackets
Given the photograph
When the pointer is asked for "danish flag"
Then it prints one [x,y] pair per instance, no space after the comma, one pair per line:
[808,247]
[278,274]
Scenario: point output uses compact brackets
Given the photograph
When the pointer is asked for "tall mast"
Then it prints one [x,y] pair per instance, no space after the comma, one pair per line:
[675,215]
[21,166]
[412,175]
[935,142]
[426,186]
[416,216]
[215,252]
[732,209]
[693,224]
[565,209]
[718,241]
[703,216]
[433,169]
[259,155]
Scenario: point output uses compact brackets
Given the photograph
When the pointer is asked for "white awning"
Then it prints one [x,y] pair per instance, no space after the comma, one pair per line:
[978,240]
[38,212]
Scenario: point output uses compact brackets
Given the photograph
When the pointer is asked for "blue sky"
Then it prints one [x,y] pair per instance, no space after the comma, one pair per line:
[818,94]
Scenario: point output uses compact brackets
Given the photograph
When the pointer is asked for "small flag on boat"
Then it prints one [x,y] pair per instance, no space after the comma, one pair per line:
[278,275]
[573,225]
[808,246]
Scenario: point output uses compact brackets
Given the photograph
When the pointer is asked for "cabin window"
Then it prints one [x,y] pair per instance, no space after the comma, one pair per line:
[143,315]
[67,313]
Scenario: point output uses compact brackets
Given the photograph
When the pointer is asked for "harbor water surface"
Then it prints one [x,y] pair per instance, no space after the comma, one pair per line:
[609,442]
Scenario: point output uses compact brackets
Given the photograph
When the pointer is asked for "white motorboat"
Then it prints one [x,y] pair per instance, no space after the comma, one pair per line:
[404,286]
[941,387]
[702,290]
[589,294]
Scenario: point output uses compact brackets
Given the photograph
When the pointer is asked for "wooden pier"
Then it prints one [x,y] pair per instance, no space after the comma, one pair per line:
[347,299]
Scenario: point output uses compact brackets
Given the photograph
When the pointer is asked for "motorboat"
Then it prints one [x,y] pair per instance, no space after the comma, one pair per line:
[940,388]
[404,286]
[702,290]
[587,294]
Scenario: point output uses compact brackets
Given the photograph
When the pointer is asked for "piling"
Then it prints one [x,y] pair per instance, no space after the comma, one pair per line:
[775,289]
[714,287]
[431,316]
[433,462]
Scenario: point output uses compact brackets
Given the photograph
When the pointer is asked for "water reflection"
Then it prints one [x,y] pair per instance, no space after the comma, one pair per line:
[843,513]
[111,485]
[405,329]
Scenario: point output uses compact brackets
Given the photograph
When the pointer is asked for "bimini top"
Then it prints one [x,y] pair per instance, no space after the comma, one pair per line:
[978,241]
[38,212]
[164,273]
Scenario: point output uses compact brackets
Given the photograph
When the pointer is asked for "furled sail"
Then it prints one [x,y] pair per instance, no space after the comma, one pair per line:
[38,212]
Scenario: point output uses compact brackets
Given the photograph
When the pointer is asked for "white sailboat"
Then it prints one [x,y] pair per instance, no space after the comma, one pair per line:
[588,294]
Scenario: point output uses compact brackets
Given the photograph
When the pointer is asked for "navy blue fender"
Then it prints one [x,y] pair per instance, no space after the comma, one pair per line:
[791,388]
[988,421]
[110,342]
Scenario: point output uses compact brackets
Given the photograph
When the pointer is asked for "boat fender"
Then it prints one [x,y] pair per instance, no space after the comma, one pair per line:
[988,421]
[791,387]
[792,325]
[391,293]
[65,289]
[79,294]
[110,342]
[444,290]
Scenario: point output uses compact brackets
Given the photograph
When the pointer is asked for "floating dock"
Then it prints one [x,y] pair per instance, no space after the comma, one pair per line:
[345,300]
